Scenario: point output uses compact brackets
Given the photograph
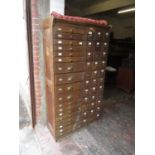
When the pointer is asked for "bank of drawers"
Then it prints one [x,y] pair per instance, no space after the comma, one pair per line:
[79,61]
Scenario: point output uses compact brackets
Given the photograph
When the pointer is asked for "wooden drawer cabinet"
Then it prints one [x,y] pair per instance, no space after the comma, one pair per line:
[75,61]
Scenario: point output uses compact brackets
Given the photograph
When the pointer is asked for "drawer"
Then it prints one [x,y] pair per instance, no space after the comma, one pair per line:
[86,99]
[69,54]
[95,74]
[89,56]
[69,78]
[102,72]
[67,112]
[65,106]
[69,104]
[87,83]
[68,67]
[69,42]
[88,75]
[75,115]
[90,46]
[63,125]
[66,48]
[102,64]
[70,36]
[67,129]
[69,28]
[88,65]
[61,89]
[69,59]
[96,65]
[69,97]
[96,56]
[105,46]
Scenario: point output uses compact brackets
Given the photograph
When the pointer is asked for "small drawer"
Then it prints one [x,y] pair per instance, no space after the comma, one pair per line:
[90,47]
[105,46]
[94,82]
[100,81]
[102,64]
[86,99]
[68,67]
[87,83]
[96,65]
[88,65]
[97,56]
[69,59]
[103,56]
[69,54]
[95,74]
[89,56]
[69,78]
[88,75]
[102,72]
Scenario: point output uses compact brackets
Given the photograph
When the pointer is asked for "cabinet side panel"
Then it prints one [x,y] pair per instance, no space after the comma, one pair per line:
[49,78]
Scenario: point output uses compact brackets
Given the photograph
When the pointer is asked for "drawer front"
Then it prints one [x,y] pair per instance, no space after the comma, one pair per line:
[69,28]
[69,97]
[69,78]
[69,42]
[67,112]
[66,48]
[69,59]
[69,54]
[68,36]
[67,88]
[69,67]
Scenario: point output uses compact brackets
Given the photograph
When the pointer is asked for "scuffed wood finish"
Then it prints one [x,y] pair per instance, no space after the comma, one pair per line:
[75,60]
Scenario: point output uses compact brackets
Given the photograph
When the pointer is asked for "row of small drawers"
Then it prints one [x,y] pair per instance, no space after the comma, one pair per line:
[84,85]
[88,37]
[87,95]
[77,31]
[79,43]
[66,45]
[77,77]
[90,57]
[80,66]
[80,53]
[74,29]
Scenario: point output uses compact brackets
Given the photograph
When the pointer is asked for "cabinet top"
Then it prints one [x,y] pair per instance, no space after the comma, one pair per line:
[56,17]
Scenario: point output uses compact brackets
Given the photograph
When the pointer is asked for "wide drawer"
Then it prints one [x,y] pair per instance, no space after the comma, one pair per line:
[67,88]
[68,67]
[62,35]
[69,59]
[70,97]
[66,48]
[67,112]
[69,28]
[70,54]
[69,78]
[70,42]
